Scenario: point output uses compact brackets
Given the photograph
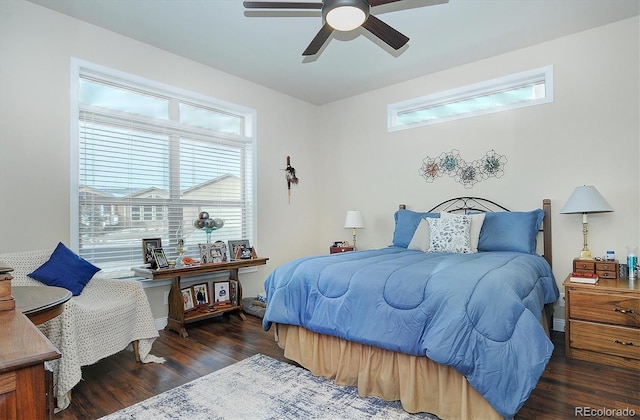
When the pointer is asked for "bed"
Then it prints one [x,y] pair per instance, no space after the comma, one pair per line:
[451,319]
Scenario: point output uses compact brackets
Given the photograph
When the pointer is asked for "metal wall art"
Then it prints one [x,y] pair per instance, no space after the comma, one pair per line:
[290,174]
[466,173]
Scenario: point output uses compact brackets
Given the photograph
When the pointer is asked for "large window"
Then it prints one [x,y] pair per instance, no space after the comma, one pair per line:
[505,93]
[148,159]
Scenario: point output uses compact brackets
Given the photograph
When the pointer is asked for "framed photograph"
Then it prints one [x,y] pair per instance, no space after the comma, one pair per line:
[201,292]
[221,292]
[213,253]
[246,253]
[220,249]
[233,292]
[236,246]
[187,298]
[148,245]
[161,259]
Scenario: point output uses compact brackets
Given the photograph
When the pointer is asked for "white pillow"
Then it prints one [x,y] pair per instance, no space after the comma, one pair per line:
[420,240]
[450,234]
[476,226]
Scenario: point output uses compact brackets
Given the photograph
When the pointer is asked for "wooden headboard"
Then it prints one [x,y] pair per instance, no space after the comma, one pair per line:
[468,205]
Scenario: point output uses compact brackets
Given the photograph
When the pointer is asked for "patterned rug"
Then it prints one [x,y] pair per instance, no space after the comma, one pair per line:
[263,388]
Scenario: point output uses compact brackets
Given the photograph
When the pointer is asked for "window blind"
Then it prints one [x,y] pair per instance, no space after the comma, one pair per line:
[145,172]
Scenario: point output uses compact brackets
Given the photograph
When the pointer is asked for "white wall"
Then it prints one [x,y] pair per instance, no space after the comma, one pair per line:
[344,156]
[588,135]
[36,47]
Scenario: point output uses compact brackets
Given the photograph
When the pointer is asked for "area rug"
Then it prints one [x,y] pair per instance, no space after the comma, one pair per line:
[263,388]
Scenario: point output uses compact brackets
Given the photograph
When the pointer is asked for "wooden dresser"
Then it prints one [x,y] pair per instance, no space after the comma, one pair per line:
[603,322]
[25,385]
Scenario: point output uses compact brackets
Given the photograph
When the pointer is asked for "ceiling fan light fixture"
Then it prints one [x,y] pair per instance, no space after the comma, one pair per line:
[345,15]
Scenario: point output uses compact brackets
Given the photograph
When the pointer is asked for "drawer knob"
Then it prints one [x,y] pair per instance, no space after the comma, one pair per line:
[624,311]
[624,343]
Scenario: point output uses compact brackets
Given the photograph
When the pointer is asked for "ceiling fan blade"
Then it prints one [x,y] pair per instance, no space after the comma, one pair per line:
[374,3]
[393,38]
[319,40]
[281,5]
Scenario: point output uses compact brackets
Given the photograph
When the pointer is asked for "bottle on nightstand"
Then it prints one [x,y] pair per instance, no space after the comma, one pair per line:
[632,262]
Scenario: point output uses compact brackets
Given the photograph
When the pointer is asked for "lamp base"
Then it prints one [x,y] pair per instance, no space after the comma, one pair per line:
[585,254]
[354,239]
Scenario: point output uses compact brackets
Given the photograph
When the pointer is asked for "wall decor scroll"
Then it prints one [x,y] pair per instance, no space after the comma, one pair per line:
[466,173]
[290,175]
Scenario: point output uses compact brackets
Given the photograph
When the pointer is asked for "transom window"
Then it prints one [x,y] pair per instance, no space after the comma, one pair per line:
[147,159]
[510,92]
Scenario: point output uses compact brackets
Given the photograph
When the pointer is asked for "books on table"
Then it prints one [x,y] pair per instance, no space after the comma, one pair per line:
[584,277]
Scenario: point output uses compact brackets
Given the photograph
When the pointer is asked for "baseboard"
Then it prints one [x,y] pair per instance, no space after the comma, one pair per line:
[161,323]
[558,325]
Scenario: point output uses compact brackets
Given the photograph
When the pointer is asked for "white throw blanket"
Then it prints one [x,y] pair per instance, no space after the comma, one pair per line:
[103,320]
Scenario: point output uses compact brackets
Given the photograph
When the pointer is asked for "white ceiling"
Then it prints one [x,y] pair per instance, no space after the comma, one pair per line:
[266,46]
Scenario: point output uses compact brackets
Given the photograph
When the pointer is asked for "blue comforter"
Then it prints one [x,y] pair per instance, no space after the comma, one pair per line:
[479,313]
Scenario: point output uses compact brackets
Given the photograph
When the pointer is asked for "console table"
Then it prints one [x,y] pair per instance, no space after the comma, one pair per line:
[178,317]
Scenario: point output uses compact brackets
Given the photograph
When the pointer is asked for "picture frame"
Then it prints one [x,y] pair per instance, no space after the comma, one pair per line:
[236,245]
[221,292]
[246,253]
[187,298]
[148,245]
[233,292]
[220,248]
[201,293]
[213,253]
[160,258]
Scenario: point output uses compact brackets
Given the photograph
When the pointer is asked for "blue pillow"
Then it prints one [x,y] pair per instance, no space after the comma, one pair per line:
[65,269]
[510,231]
[406,223]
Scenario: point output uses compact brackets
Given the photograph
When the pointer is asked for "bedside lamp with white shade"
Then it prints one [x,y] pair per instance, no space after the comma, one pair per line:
[353,221]
[586,199]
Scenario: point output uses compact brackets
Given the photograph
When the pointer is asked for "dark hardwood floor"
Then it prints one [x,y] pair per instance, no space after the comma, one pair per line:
[118,381]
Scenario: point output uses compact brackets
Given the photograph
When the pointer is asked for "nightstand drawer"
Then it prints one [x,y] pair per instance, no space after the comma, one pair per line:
[338,249]
[606,266]
[608,339]
[607,274]
[611,309]
[580,265]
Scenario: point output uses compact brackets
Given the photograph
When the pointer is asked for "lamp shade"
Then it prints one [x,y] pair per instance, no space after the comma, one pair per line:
[353,220]
[586,199]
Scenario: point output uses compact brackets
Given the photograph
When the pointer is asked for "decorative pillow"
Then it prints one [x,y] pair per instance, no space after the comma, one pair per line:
[420,240]
[510,231]
[65,269]
[474,231]
[406,223]
[450,234]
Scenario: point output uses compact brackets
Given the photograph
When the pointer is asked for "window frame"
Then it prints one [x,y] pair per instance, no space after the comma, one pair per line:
[249,115]
[469,92]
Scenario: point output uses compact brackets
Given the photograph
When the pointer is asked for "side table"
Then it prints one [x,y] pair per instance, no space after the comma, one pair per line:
[40,303]
[603,322]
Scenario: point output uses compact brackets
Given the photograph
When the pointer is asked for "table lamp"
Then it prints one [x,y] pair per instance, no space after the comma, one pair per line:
[586,199]
[353,221]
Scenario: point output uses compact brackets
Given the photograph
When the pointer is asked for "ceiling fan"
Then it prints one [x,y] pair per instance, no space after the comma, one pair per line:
[341,15]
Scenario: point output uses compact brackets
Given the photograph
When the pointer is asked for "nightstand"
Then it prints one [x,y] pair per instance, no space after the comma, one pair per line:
[337,249]
[602,322]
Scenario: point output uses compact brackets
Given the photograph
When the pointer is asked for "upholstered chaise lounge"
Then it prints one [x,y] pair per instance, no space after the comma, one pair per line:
[102,320]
